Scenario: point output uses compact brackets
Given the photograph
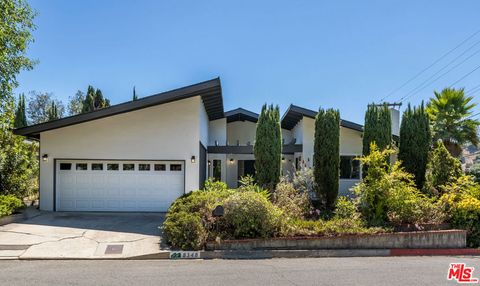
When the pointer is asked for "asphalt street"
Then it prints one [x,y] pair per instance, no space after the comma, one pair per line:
[312,271]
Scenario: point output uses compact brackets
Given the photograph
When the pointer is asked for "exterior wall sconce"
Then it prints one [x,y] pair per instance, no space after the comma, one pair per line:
[192,159]
[209,162]
[283,159]
[45,157]
[231,160]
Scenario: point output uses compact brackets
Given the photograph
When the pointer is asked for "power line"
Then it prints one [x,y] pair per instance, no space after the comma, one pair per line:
[467,74]
[431,65]
[425,84]
[473,90]
[444,67]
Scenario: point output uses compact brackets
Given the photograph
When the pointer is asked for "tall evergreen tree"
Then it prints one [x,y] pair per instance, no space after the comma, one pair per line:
[52,112]
[134,94]
[89,102]
[94,100]
[415,140]
[378,127]
[326,156]
[20,115]
[268,147]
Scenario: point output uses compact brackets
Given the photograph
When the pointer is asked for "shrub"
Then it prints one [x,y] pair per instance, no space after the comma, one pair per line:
[442,168]
[346,208]
[388,193]
[304,182]
[9,204]
[247,184]
[191,211]
[407,205]
[293,203]
[185,230]
[466,215]
[374,187]
[251,215]
[333,227]
[461,201]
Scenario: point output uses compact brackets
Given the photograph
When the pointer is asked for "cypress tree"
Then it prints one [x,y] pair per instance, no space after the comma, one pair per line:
[378,127]
[20,115]
[268,147]
[52,112]
[326,156]
[415,138]
[89,102]
[134,95]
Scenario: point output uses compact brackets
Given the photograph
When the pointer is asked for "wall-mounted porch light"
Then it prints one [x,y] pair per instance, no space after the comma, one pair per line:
[231,160]
[45,157]
[192,159]
[209,163]
[283,159]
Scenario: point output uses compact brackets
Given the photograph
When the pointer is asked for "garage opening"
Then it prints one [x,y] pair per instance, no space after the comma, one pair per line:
[118,186]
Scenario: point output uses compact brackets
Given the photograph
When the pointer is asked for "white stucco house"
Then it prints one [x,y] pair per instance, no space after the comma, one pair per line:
[142,155]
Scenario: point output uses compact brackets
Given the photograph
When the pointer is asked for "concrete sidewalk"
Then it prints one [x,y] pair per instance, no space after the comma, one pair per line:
[83,236]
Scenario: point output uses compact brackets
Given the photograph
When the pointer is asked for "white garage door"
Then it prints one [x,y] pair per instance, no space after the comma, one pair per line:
[124,186]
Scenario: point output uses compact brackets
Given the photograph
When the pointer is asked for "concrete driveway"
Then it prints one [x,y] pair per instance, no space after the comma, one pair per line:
[83,236]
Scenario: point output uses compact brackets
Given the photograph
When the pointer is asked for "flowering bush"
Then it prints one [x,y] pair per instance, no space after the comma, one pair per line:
[293,203]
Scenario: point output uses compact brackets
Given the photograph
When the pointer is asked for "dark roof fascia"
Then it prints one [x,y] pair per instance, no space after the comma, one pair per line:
[241,114]
[295,113]
[210,91]
[248,149]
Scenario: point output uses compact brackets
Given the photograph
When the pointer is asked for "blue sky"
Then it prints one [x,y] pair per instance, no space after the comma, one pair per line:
[341,54]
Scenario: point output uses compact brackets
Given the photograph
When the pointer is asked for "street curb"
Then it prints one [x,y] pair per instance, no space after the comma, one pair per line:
[269,254]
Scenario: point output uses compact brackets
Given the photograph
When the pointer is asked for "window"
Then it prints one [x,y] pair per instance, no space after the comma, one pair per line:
[144,167]
[81,166]
[97,166]
[112,167]
[160,167]
[349,167]
[65,166]
[217,170]
[175,167]
[129,167]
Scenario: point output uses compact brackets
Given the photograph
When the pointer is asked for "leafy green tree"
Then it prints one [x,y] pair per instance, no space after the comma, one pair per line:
[326,157]
[268,147]
[450,115]
[415,141]
[443,168]
[378,127]
[75,103]
[18,157]
[16,26]
[38,105]
[20,115]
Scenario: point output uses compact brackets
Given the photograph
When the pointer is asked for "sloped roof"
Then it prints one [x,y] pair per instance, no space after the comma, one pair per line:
[210,91]
[295,113]
[241,114]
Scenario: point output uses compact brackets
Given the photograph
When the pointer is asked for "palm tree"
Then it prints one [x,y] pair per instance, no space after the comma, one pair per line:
[451,117]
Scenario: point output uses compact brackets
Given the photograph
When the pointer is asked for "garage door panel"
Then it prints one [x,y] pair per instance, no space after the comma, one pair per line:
[112,189]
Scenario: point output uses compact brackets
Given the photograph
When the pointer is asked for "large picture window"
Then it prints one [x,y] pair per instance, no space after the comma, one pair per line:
[349,167]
